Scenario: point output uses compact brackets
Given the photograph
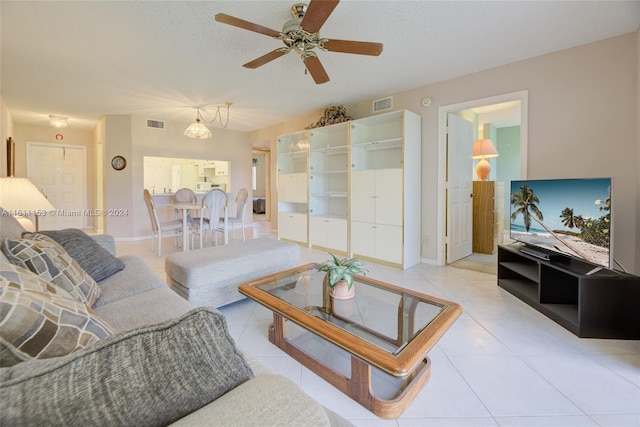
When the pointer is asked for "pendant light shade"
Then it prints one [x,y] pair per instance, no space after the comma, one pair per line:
[198,130]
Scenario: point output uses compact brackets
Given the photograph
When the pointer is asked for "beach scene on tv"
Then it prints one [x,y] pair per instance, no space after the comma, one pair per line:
[572,216]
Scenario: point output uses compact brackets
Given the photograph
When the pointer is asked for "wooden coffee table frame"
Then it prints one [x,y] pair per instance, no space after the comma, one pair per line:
[411,364]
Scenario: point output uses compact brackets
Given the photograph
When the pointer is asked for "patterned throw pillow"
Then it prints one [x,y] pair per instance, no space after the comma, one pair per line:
[92,258]
[49,260]
[39,320]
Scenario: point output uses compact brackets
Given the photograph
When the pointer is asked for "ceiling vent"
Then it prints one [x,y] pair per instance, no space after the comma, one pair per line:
[156,124]
[384,104]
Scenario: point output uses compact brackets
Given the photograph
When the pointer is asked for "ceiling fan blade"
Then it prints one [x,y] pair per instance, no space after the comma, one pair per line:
[265,58]
[316,69]
[349,46]
[317,13]
[237,22]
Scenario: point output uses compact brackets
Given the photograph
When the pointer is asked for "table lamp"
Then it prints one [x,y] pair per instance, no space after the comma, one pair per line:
[19,196]
[484,149]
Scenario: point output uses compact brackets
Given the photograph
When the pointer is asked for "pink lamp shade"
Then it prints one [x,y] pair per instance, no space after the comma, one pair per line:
[484,149]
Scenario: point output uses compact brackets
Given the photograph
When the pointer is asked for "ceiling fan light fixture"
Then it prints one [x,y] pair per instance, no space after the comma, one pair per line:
[301,34]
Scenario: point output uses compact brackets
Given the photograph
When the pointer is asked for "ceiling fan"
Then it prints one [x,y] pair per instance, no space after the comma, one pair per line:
[300,34]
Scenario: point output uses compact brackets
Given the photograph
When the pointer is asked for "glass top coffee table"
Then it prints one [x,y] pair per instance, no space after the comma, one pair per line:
[372,347]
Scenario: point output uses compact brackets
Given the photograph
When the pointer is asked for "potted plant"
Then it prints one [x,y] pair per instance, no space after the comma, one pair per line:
[340,275]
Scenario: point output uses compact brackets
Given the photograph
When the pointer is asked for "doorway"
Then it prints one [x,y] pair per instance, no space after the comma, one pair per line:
[444,215]
[60,172]
[261,185]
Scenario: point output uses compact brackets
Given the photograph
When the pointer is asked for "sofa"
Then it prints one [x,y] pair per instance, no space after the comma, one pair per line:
[141,355]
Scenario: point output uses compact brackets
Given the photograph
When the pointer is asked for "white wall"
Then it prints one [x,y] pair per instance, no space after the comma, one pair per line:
[583,109]
[583,122]
[129,136]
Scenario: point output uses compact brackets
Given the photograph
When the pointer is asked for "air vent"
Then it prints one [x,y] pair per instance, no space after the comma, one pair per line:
[383,104]
[156,124]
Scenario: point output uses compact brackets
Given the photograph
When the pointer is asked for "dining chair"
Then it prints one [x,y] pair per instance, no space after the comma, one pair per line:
[184,195]
[241,202]
[213,203]
[160,229]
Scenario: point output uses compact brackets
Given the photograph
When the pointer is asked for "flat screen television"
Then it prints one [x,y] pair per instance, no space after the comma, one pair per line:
[571,217]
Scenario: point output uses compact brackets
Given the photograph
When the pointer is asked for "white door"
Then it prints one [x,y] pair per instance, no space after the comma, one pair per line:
[60,173]
[389,243]
[459,187]
[337,234]
[292,226]
[292,187]
[363,239]
[389,196]
[317,230]
[363,204]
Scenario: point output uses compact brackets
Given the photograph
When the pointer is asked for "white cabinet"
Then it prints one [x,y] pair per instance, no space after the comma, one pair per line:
[329,233]
[212,168]
[293,188]
[221,168]
[385,188]
[292,226]
[378,198]
[377,241]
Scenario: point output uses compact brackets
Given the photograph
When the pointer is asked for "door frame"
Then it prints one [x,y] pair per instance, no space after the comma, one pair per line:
[31,144]
[441,216]
[267,180]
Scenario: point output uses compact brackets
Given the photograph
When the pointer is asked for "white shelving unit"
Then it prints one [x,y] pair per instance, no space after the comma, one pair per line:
[293,192]
[354,188]
[385,188]
[328,187]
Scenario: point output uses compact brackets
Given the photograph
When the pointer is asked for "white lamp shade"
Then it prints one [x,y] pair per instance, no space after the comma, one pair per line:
[484,149]
[198,130]
[20,197]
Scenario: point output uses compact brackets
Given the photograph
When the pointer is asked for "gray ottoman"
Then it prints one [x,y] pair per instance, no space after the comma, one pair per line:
[210,276]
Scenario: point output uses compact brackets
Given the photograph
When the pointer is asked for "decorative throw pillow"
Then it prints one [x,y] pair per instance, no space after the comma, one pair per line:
[49,260]
[92,258]
[39,320]
[149,376]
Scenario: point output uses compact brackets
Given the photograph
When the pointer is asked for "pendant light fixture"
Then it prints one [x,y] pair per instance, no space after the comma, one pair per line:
[58,121]
[199,130]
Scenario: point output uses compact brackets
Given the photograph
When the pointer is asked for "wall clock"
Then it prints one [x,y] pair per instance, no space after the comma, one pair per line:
[118,163]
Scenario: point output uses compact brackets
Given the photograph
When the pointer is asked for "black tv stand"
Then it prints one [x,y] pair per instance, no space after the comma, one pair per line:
[590,304]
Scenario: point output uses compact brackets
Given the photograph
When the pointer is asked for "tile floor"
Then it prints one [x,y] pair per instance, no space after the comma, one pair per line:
[501,364]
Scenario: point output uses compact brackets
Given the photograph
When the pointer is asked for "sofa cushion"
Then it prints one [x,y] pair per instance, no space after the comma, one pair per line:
[137,277]
[39,320]
[91,256]
[274,401]
[50,261]
[151,376]
[143,309]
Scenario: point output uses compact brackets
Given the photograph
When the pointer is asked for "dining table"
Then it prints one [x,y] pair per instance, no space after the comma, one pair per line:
[186,208]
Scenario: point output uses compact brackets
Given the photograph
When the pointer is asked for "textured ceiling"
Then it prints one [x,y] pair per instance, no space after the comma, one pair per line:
[159,59]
